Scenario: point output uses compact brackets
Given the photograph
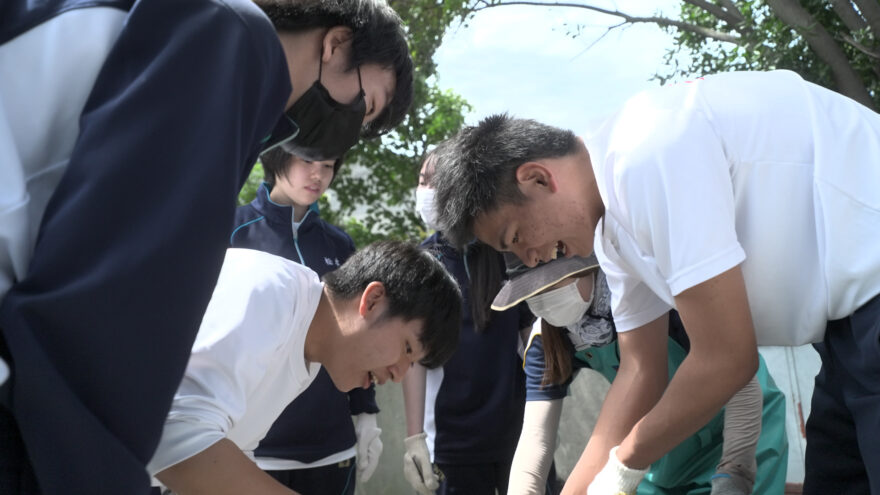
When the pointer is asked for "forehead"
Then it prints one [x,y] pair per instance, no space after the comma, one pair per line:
[398,328]
[379,82]
[427,170]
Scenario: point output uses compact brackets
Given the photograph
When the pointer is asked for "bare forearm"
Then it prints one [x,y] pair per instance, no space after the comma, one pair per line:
[414,399]
[699,389]
[220,469]
[723,357]
[631,395]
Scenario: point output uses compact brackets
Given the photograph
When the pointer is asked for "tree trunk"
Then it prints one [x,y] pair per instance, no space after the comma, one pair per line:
[826,48]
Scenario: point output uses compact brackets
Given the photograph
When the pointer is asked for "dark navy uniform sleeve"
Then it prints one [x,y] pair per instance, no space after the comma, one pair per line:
[534,368]
[100,328]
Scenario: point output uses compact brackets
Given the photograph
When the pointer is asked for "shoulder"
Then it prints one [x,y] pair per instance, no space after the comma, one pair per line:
[256,267]
[337,232]
[246,218]
[439,246]
[210,32]
[246,213]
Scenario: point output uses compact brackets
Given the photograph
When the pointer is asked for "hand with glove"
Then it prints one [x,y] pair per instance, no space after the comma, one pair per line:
[369,445]
[615,478]
[417,466]
[730,484]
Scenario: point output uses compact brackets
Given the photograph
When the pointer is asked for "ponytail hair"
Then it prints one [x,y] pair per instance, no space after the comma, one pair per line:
[558,350]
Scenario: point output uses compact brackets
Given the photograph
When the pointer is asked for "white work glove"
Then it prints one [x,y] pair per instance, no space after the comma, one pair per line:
[615,478]
[417,466]
[730,484]
[369,445]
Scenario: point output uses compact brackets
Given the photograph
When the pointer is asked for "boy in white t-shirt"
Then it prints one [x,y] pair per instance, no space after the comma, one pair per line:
[749,202]
[269,328]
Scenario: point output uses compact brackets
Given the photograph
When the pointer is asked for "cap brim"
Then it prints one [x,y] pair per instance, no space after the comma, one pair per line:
[538,279]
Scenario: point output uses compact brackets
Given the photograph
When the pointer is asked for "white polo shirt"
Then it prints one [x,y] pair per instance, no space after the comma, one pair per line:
[758,168]
[248,360]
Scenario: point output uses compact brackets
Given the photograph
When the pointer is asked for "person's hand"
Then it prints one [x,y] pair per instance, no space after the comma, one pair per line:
[417,465]
[369,445]
[615,478]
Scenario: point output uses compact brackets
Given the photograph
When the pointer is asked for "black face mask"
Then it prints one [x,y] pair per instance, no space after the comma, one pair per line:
[327,128]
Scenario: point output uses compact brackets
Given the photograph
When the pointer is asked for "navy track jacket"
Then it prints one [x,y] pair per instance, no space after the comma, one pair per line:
[129,247]
[318,423]
[478,409]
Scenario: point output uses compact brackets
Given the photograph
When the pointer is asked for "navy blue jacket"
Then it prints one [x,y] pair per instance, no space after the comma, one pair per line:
[479,407]
[132,240]
[318,423]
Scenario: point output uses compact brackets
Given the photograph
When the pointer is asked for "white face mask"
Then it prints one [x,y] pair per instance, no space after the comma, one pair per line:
[560,307]
[425,207]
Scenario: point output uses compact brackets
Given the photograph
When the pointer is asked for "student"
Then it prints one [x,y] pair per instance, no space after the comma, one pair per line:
[271,326]
[465,417]
[311,447]
[571,297]
[746,201]
[121,124]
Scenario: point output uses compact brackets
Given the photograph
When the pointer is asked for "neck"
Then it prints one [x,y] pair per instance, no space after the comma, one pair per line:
[595,206]
[323,331]
[302,50]
[299,212]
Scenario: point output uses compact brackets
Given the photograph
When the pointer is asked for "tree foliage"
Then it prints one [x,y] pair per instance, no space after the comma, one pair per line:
[834,43]
[372,196]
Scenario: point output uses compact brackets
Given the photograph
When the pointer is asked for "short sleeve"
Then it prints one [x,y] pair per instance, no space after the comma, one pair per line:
[245,330]
[679,199]
[533,365]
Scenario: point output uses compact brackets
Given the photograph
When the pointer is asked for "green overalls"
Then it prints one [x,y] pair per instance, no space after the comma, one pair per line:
[688,468]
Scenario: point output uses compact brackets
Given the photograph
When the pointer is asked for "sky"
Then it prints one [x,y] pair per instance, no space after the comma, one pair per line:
[521,59]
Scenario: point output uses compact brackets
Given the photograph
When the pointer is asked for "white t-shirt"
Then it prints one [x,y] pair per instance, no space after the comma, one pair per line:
[248,360]
[762,169]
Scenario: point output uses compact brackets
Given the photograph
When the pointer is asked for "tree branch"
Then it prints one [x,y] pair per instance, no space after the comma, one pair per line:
[848,14]
[825,47]
[661,21]
[860,47]
[870,10]
[733,9]
[732,18]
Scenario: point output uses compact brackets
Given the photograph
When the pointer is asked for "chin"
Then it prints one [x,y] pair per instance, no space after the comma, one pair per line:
[344,388]
[341,385]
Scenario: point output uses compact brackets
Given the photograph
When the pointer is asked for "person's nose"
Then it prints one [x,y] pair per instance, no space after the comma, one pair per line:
[529,257]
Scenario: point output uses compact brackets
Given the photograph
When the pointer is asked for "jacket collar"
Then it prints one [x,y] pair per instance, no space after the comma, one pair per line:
[275,212]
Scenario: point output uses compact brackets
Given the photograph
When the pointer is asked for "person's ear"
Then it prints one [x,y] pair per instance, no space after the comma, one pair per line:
[532,176]
[371,298]
[334,40]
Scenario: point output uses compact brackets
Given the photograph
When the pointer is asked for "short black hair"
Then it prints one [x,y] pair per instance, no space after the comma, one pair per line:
[475,171]
[417,287]
[379,38]
[276,162]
